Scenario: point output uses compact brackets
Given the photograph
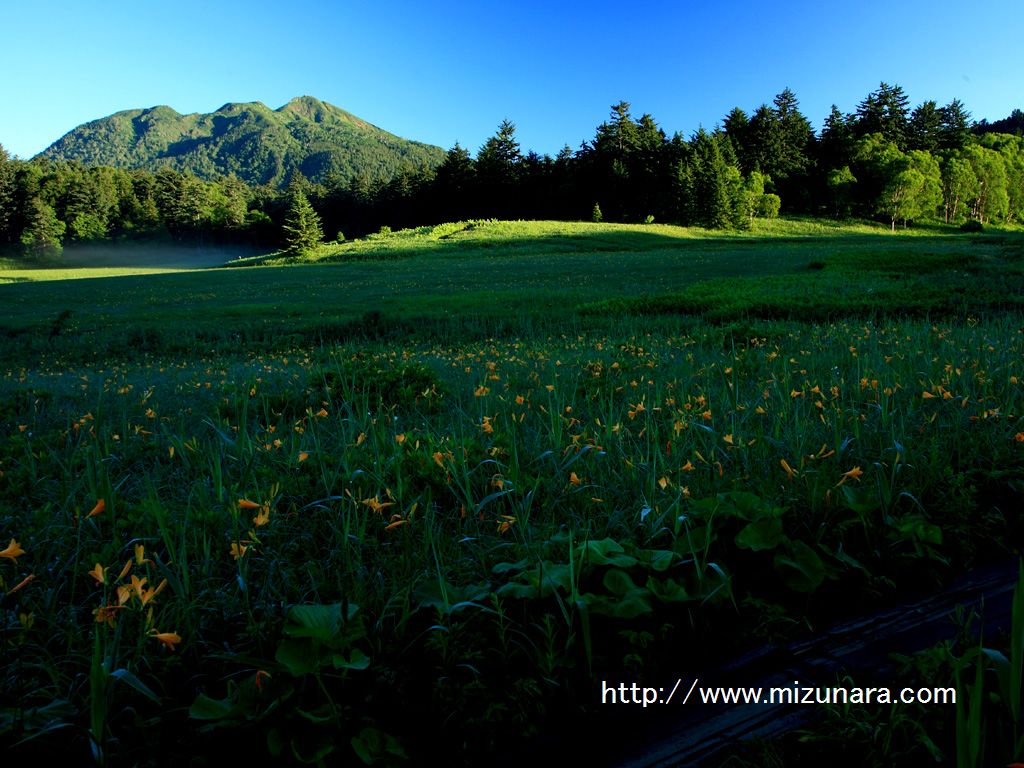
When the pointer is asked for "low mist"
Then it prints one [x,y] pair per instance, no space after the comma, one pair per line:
[152,255]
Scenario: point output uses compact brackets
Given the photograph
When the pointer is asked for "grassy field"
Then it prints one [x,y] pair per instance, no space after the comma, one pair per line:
[411,500]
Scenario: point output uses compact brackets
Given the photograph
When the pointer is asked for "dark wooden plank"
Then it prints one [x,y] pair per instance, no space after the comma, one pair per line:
[698,734]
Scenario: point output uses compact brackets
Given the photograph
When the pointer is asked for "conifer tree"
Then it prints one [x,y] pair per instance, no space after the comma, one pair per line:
[6,196]
[43,231]
[302,226]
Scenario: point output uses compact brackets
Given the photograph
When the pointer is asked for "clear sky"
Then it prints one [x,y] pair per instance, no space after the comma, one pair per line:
[449,71]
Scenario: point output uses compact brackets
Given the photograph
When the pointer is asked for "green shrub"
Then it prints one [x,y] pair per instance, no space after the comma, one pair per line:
[768,206]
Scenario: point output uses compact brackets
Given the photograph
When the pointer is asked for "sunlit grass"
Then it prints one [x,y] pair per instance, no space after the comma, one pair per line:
[77,273]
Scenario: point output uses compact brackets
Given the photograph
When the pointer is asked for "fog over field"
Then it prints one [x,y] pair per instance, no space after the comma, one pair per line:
[152,255]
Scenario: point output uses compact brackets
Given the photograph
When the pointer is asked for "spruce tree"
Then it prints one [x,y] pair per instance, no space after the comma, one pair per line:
[302,229]
[43,233]
[6,196]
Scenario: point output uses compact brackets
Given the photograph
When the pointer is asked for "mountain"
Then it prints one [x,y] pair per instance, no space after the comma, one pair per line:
[257,144]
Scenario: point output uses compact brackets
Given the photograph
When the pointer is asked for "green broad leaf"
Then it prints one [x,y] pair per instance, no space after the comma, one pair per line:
[627,600]
[518,591]
[444,597]
[626,607]
[356,659]
[708,507]
[322,622]
[656,559]
[801,569]
[319,716]
[508,567]
[550,577]
[313,749]
[668,590]
[918,528]
[619,582]
[299,657]
[371,745]
[860,500]
[849,561]
[608,552]
[205,708]
[760,535]
[748,506]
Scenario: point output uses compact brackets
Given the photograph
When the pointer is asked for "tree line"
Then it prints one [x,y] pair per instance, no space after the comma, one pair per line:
[884,160]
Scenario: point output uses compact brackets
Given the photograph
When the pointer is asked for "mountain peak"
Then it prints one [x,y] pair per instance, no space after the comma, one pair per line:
[249,140]
[310,108]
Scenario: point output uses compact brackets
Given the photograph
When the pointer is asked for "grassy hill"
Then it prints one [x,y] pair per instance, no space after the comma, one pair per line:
[252,141]
[510,274]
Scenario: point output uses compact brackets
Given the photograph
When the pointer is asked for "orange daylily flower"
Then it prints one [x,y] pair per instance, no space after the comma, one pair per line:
[263,516]
[137,585]
[13,551]
[99,573]
[238,550]
[100,506]
[106,613]
[789,470]
[140,555]
[303,456]
[688,467]
[169,639]
[246,504]
[150,594]
[396,521]
[375,504]
[854,473]
[574,478]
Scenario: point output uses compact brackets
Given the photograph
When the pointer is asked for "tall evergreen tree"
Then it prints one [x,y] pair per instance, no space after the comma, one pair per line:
[736,126]
[43,233]
[712,202]
[454,184]
[885,111]
[497,166]
[797,137]
[835,147]
[925,128]
[7,191]
[302,231]
[956,126]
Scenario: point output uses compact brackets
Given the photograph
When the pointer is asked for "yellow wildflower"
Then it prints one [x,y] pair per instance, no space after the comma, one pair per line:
[13,551]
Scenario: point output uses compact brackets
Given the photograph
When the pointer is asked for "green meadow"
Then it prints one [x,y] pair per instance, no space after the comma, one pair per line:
[413,497]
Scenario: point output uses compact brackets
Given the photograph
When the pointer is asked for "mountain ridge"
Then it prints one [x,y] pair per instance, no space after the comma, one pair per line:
[250,140]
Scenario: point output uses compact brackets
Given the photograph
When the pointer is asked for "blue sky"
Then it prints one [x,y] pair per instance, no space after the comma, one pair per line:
[443,72]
